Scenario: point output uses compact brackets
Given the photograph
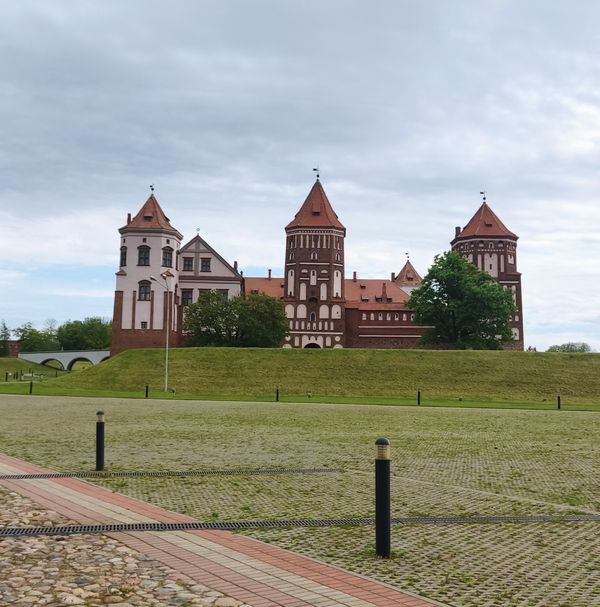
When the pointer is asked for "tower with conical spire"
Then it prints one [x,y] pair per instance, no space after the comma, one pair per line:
[488,244]
[314,274]
[146,289]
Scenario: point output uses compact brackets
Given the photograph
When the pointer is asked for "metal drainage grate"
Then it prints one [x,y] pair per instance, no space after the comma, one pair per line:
[233,525]
[93,474]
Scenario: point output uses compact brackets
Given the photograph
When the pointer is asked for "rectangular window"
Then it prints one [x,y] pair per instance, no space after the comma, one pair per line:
[144,256]
[186,296]
[144,292]
[123,256]
[224,293]
[144,324]
[167,260]
[188,264]
[205,264]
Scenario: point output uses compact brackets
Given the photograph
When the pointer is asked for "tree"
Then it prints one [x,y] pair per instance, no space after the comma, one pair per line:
[571,346]
[252,321]
[465,307]
[262,322]
[91,333]
[211,321]
[4,337]
[34,340]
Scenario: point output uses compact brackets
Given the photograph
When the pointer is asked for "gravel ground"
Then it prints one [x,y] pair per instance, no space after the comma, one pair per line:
[88,570]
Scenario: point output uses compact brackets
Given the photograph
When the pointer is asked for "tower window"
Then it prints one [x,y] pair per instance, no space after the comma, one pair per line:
[144,324]
[123,261]
[144,290]
[167,257]
[205,264]
[143,256]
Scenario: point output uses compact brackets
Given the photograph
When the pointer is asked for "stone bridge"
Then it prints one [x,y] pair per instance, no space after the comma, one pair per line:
[67,358]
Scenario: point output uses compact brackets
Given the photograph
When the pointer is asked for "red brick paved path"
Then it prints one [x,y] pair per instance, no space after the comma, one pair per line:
[244,568]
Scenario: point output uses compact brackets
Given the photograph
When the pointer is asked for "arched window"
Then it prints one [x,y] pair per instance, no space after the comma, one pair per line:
[167,257]
[144,290]
[313,255]
[144,255]
[313,317]
[123,261]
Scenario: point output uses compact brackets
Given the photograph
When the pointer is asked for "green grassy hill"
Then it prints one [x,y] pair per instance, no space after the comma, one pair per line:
[14,365]
[352,374]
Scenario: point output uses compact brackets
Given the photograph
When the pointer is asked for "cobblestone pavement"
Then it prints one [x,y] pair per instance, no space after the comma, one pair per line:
[86,570]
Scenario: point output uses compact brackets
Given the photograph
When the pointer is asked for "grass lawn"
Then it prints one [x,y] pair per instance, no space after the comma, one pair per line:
[461,378]
[445,461]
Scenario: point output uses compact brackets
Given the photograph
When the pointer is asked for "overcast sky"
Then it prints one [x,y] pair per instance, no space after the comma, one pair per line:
[408,108]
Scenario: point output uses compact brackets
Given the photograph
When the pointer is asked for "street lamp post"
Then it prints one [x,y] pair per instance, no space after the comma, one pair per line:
[168,324]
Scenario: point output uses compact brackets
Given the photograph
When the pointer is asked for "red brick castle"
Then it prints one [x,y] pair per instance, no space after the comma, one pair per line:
[158,277]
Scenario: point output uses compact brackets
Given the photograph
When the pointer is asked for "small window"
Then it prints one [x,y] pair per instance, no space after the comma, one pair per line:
[186,296]
[143,240]
[396,316]
[167,257]
[224,293]
[143,256]
[412,316]
[123,261]
[144,290]
[380,316]
[188,264]
[313,317]
[313,255]
[205,264]
[364,316]
[144,324]
[147,217]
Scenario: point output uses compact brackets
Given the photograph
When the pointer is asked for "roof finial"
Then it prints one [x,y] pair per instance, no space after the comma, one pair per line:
[407,256]
[316,170]
[484,196]
[151,189]
[198,231]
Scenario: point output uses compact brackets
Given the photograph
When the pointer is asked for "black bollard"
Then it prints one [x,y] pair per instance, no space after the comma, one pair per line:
[146,390]
[100,441]
[558,402]
[383,506]
[277,394]
[30,387]
[418,397]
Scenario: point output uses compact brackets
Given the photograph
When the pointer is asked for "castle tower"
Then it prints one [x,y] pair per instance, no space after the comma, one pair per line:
[488,244]
[314,274]
[149,248]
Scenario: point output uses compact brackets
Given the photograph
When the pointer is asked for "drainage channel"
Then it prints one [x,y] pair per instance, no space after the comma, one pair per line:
[270,524]
[93,474]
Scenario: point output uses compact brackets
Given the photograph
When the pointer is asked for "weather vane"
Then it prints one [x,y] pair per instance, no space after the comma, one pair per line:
[152,188]
[484,193]
[316,170]
[407,256]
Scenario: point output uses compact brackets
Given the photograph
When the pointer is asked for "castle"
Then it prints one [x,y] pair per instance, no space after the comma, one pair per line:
[158,277]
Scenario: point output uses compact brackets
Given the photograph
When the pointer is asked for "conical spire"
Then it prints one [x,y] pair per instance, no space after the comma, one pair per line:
[408,276]
[485,223]
[151,217]
[316,211]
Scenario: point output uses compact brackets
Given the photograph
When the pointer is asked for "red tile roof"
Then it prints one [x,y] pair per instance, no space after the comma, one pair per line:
[485,223]
[372,288]
[408,276]
[316,211]
[269,286]
[151,217]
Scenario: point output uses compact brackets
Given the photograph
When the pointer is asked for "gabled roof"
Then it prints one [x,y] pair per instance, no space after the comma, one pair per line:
[408,276]
[371,289]
[151,217]
[273,287]
[316,211]
[485,223]
[190,246]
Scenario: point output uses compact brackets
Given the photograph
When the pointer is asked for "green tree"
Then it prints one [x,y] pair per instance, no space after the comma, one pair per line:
[4,337]
[252,321]
[35,340]
[571,346]
[466,308]
[91,333]
[262,322]
[211,321]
